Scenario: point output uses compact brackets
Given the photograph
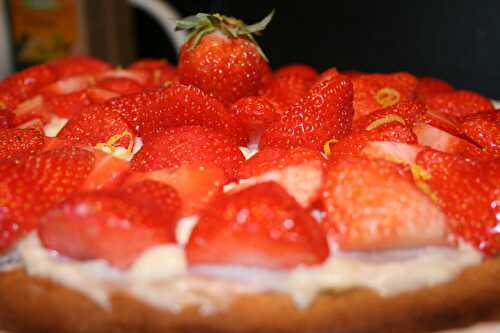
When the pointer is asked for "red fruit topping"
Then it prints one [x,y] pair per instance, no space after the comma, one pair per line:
[468,191]
[17,143]
[66,105]
[116,226]
[196,185]
[443,121]
[78,65]
[188,144]
[122,86]
[484,129]
[31,187]
[328,74]
[370,206]
[99,95]
[6,118]
[108,172]
[160,71]
[254,113]
[324,113]
[392,151]
[284,90]
[259,226]
[139,77]
[458,103]
[375,91]
[301,70]
[68,85]
[428,86]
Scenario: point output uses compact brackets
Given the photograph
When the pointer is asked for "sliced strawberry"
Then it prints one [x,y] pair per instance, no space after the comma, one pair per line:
[99,95]
[443,141]
[396,152]
[458,103]
[107,173]
[160,71]
[78,65]
[116,226]
[151,112]
[32,108]
[254,113]
[443,121]
[196,185]
[97,124]
[122,86]
[33,186]
[68,85]
[34,123]
[139,77]
[24,84]
[284,90]
[428,86]
[375,91]
[328,74]
[352,73]
[17,143]
[468,191]
[484,130]
[259,226]
[370,206]
[188,144]
[6,118]
[301,70]
[324,113]
[66,105]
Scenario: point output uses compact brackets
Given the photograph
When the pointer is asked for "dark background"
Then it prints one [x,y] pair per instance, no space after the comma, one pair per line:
[456,40]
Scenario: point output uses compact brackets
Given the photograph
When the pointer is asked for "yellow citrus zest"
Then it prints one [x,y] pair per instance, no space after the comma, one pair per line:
[326,146]
[387,97]
[109,146]
[420,175]
[385,120]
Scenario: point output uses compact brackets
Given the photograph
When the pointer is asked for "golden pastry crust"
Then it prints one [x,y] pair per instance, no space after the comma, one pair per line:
[31,304]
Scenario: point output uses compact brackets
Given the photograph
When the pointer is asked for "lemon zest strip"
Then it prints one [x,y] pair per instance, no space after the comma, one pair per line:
[385,120]
[386,97]
[326,146]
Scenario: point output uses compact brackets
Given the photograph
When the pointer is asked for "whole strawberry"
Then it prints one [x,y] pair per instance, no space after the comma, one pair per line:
[221,57]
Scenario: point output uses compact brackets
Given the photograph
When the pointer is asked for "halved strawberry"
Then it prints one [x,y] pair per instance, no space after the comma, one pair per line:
[300,70]
[99,95]
[68,85]
[324,113]
[370,206]
[17,143]
[375,91]
[117,226]
[196,185]
[396,152]
[254,113]
[6,118]
[428,86]
[484,129]
[137,76]
[352,73]
[328,74]
[150,112]
[468,190]
[122,85]
[443,141]
[442,121]
[284,90]
[32,108]
[188,144]
[33,186]
[78,65]
[107,173]
[259,226]
[45,108]
[97,124]
[458,103]
[159,70]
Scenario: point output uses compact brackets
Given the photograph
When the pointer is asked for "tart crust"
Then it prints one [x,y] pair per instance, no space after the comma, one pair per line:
[32,304]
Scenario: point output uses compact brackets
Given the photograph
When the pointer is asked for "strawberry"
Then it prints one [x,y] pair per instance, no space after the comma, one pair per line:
[32,108]
[78,65]
[327,75]
[97,225]
[284,90]
[99,95]
[33,186]
[325,112]
[6,118]
[152,111]
[428,86]
[396,152]
[352,73]
[16,143]
[221,56]
[107,173]
[61,105]
[159,71]
[375,91]
[442,121]
[188,144]
[458,103]
[254,113]
[405,112]
[443,141]
[370,206]
[484,130]
[68,85]
[139,77]
[301,70]
[196,185]
[97,124]
[122,86]
[24,84]
[467,190]
[261,226]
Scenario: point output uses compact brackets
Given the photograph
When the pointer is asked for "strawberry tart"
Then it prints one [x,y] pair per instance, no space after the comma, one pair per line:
[219,195]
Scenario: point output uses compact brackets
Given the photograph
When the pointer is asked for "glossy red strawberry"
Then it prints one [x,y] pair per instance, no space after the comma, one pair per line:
[254,113]
[78,65]
[261,226]
[375,91]
[68,85]
[442,121]
[370,206]
[391,151]
[97,124]
[301,70]
[284,90]
[185,145]
[108,172]
[122,86]
[484,130]
[428,86]
[468,191]
[324,113]
[139,77]
[458,103]
[6,118]
[17,143]
[222,57]
[99,95]
[160,71]
[117,226]
[197,185]
[33,186]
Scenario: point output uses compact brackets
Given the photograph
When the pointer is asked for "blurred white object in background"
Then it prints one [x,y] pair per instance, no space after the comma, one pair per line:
[6,65]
